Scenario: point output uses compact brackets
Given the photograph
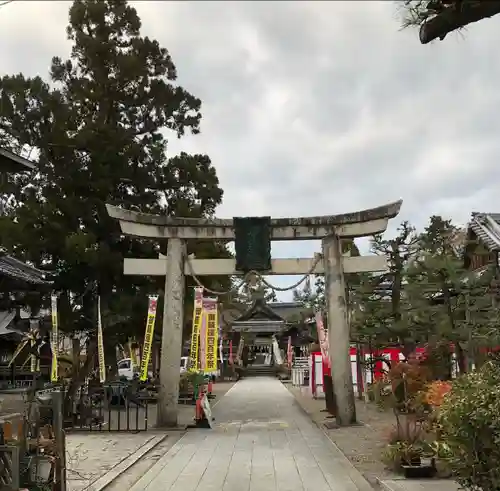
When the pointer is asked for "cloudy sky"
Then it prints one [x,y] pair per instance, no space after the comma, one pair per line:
[316,108]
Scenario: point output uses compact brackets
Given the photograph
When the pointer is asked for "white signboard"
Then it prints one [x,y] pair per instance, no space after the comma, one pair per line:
[205,405]
[277,352]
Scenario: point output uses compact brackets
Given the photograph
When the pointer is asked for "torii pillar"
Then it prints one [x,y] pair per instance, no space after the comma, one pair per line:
[331,229]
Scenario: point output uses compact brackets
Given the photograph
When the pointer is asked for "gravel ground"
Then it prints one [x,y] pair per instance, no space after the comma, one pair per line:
[362,445]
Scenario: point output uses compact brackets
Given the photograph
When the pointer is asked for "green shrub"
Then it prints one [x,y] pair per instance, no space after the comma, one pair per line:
[469,422]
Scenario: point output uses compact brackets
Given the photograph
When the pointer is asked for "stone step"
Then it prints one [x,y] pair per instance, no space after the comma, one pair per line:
[260,371]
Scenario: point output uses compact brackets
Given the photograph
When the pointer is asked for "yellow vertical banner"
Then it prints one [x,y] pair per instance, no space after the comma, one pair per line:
[100,344]
[211,335]
[148,337]
[54,340]
[195,330]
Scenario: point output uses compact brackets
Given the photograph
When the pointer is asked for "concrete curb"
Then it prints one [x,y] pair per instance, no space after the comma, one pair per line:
[399,483]
[356,476]
[385,486]
[105,480]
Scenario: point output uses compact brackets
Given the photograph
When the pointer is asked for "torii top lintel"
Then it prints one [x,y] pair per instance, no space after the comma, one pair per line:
[348,225]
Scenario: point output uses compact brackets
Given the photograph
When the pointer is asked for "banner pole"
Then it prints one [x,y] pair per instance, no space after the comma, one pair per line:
[100,344]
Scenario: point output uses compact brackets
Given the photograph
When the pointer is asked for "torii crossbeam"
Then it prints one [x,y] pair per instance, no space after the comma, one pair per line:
[330,229]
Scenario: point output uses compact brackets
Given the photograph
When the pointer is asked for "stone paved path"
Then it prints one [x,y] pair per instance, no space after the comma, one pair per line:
[261,441]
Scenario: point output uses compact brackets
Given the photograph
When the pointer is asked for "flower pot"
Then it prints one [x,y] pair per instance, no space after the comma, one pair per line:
[40,469]
[411,462]
[419,471]
[442,469]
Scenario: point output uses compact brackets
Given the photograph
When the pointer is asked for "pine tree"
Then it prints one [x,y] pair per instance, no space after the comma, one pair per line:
[380,298]
[449,303]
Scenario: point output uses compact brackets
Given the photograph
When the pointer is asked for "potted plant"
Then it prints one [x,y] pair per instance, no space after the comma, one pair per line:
[409,450]
[417,460]
[432,399]
[441,459]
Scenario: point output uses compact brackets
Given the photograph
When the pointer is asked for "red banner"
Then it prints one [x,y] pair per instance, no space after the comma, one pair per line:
[323,342]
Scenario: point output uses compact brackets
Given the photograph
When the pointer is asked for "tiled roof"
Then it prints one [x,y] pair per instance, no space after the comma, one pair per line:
[259,310]
[486,226]
[6,318]
[11,162]
[15,269]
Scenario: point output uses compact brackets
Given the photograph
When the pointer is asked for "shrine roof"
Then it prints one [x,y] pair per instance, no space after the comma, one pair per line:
[17,270]
[259,310]
[486,227]
[12,163]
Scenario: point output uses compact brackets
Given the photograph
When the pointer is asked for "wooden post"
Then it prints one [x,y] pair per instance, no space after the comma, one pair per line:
[60,439]
[171,343]
[338,331]
[366,394]
[359,372]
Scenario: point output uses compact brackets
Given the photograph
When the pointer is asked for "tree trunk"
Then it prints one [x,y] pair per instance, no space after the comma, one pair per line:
[84,372]
[461,359]
[330,399]
[110,359]
[76,350]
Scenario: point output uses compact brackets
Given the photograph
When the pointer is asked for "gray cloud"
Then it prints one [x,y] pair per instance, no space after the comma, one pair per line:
[317,107]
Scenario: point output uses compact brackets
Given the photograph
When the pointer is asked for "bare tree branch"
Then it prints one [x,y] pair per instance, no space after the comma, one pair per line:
[456,17]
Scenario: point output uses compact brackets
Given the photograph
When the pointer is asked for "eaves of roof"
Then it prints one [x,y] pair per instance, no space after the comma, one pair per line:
[11,162]
[17,270]
[486,226]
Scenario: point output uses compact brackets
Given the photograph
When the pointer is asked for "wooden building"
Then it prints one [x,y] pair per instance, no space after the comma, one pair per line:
[262,322]
[16,279]
[482,243]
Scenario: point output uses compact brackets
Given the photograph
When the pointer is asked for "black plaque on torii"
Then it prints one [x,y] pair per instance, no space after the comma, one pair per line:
[252,242]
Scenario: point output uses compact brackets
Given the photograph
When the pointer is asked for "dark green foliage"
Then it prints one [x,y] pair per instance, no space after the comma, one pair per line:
[97,129]
[469,421]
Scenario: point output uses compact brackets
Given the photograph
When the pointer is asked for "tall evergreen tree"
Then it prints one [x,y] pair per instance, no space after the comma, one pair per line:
[98,129]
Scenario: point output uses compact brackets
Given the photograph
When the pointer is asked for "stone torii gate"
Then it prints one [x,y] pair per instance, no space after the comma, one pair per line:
[174,266]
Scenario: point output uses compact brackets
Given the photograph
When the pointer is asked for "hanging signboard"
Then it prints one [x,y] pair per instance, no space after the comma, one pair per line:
[54,338]
[148,337]
[211,335]
[195,330]
[100,344]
